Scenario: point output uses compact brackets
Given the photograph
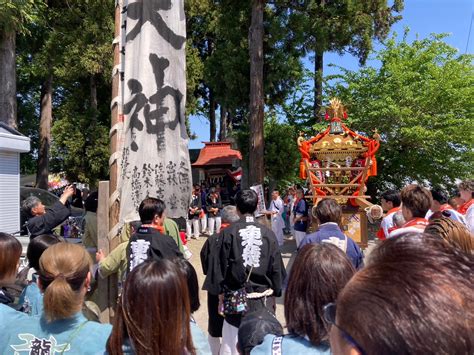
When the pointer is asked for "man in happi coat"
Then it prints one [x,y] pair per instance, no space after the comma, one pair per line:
[248,248]
[416,201]
[149,242]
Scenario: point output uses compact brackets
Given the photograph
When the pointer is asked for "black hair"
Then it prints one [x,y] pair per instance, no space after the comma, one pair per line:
[439,196]
[37,246]
[254,327]
[246,201]
[328,210]
[306,297]
[92,202]
[149,208]
[416,199]
[416,287]
[192,280]
[392,196]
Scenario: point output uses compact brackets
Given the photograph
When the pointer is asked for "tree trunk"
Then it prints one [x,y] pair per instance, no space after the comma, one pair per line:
[223,124]
[93,93]
[256,162]
[318,85]
[8,78]
[230,118]
[212,116]
[91,136]
[46,117]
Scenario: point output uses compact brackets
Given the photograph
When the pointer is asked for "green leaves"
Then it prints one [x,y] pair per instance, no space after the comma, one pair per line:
[420,100]
[281,152]
[218,55]
[73,40]
[79,149]
[17,15]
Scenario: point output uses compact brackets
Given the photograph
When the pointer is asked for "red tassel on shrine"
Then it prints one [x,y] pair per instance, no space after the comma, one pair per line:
[345,114]
[326,116]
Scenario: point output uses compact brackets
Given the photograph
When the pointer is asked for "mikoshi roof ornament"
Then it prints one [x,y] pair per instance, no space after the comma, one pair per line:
[338,161]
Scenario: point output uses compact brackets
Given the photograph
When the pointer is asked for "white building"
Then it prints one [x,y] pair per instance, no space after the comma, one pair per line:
[12,143]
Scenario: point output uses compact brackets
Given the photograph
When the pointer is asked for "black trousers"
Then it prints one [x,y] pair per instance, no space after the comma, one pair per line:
[216,321]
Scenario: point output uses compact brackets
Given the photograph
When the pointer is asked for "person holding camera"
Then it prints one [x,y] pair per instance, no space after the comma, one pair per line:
[193,215]
[41,219]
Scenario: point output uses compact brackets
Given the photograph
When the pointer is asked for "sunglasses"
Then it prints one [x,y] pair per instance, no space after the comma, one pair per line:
[329,315]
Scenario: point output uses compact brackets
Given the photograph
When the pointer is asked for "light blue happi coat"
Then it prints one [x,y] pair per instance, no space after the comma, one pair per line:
[22,334]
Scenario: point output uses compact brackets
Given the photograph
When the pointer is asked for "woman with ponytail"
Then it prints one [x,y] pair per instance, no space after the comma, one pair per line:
[64,277]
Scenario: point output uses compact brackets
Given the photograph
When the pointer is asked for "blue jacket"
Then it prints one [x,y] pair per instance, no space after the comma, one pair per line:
[21,334]
[326,232]
[199,340]
[291,345]
[31,298]
[301,208]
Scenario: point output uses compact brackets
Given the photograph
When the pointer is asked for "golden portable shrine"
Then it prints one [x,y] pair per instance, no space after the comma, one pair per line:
[336,163]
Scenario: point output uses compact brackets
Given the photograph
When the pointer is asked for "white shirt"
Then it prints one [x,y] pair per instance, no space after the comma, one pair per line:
[469,217]
[277,206]
[453,214]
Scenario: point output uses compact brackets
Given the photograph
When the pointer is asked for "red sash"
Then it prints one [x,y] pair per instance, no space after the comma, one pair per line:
[422,222]
[160,229]
[393,210]
[445,207]
[464,207]
[381,233]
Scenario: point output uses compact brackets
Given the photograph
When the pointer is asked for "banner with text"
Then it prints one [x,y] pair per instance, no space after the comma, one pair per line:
[261,200]
[155,158]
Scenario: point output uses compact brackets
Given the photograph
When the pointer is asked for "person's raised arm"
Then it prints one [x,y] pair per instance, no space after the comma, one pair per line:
[68,192]
[58,212]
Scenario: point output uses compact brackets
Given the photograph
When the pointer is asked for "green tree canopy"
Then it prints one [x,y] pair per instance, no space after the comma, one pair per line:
[339,26]
[17,15]
[73,41]
[281,152]
[420,100]
[218,38]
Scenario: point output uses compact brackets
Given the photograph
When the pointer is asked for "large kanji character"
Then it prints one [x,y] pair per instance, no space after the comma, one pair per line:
[155,119]
[147,11]
[138,100]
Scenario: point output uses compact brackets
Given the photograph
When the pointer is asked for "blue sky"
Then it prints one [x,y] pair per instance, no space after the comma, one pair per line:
[423,17]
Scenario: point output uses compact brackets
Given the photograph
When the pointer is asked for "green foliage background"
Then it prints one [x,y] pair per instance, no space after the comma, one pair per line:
[421,101]
[419,97]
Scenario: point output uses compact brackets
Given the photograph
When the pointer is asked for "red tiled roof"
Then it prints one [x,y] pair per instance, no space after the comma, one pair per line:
[217,153]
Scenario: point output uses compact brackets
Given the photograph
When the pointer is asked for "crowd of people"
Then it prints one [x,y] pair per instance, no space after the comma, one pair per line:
[412,295]
[204,217]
